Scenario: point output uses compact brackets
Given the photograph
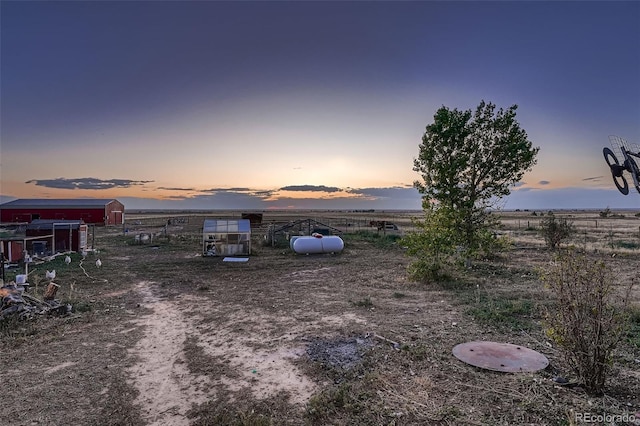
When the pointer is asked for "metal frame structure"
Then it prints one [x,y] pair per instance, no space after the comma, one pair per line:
[622,149]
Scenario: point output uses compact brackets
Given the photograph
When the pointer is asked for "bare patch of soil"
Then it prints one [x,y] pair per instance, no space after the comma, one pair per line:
[166,389]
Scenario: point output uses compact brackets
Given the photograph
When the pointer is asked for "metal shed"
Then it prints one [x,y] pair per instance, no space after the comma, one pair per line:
[89,210]
[222,237]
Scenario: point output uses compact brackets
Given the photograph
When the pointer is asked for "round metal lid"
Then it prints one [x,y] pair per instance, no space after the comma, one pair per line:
[500,356]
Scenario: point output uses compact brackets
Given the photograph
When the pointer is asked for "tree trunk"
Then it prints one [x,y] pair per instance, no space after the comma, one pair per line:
[51,290]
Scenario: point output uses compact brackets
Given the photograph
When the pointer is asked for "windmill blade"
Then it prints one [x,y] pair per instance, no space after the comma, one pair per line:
[616,171]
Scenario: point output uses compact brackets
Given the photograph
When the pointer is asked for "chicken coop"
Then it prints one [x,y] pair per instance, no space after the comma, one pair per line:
[57,236]
[222,237]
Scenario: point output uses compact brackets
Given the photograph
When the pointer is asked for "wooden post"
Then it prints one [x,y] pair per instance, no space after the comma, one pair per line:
[25,258]
[2,259]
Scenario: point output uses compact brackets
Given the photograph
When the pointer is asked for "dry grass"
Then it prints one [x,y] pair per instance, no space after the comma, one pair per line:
[237,328]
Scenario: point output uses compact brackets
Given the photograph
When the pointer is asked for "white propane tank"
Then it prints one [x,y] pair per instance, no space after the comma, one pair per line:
[313,245]
[292,239]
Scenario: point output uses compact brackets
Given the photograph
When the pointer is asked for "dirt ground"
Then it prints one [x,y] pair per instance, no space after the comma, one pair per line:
[161,335]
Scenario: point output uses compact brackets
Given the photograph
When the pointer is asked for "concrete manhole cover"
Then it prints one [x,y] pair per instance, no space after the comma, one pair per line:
[500,356]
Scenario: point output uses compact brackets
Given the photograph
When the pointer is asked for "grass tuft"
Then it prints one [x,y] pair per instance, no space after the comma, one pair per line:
[364,303]
[377,239]
[633,333]
[500,312]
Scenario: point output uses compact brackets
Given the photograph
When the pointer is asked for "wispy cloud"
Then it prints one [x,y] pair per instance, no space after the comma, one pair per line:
[175,197]
[217,190]
[594,178]
[310,188]
[518,184]
[396,192]
[396,197]
[544,182]
[223,199]
[87,183]
[175,189]
[258,194]
[265,193]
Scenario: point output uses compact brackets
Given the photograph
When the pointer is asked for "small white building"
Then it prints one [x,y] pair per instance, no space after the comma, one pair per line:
[222,237]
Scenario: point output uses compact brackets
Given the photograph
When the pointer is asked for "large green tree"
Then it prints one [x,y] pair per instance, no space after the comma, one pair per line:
[468,161]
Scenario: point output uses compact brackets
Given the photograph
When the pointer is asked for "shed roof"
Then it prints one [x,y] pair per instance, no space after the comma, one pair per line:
[31,203]
[224,226]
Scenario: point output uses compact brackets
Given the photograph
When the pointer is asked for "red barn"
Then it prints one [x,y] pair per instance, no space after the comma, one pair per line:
[89,210]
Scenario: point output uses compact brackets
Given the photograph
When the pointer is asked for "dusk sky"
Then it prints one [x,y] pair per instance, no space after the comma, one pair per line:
[258,105]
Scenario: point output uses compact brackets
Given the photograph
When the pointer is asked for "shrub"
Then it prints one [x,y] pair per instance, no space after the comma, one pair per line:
[585,322]
[555,230]
[633,334]
[432,245]
[439,245]
[605,213]
[423,270]
[626,244]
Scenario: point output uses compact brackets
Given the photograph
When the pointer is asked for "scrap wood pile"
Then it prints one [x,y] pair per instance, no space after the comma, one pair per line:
[17,303]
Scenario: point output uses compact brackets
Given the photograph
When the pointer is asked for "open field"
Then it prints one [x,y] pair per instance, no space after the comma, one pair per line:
[163,336]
